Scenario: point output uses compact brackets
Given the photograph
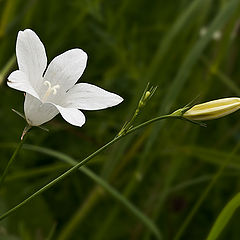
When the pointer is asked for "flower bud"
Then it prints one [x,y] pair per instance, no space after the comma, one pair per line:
[213,109]
[147,95]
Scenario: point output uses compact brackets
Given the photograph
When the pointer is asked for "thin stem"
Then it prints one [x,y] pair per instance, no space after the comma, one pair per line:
[83,162]
[147,94]
[52,232]
[204,194]
[66,233]
[11,62]
[2,178]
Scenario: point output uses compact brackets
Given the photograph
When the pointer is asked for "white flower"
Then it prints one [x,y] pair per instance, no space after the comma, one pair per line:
[52,90]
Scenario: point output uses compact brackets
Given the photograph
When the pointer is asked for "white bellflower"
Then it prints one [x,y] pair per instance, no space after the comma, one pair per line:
[53,89]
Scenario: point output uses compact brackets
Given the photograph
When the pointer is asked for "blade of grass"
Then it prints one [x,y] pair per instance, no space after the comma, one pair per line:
[164,46]
[75,221]
[212,156]
[52,232]
[167,41]
[198,180]
[112,191]
[224,217]
[34,172]
[7,14]
[221,76]
[11,160]
[186,67]
[3,73]
[171,173]
[204,194]
[87,159]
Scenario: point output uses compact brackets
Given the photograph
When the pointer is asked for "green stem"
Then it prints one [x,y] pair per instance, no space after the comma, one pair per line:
[66,233]
[93,196]
[204,194]
[7,68]
[2,178]
[83,162]
[52,232]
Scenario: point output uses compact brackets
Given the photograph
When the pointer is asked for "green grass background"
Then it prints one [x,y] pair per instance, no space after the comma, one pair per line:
[164,168]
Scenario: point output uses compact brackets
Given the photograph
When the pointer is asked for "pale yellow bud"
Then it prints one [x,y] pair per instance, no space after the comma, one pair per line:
[213,109]
[144,99]
[147,94]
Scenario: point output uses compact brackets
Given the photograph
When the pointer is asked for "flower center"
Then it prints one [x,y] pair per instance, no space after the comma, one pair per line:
[51,90]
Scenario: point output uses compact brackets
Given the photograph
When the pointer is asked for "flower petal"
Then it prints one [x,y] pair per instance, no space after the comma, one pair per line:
[72,115]
[18,80]
[31,56]
[66,69]
[89,97]
[37,112]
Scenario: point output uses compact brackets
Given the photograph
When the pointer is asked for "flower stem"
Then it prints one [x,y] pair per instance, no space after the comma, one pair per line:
[83,162]
[147,94]
[23,137]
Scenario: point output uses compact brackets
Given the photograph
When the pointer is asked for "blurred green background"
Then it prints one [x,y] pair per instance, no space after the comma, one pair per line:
[162,169]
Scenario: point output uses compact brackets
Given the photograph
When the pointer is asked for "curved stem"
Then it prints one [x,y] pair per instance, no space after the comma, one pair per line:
[83,162]
[3,176]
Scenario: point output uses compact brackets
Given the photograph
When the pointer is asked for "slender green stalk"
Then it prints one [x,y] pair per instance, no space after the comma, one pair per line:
[38,171]
[66,233]
[147,94]
[102,187]
[204,194]
[7,68]
[176,114]
[23,138]
[52,232]
[224,78]
[224,217]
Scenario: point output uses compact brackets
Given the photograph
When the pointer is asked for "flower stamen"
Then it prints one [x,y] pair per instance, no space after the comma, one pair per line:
[51,89]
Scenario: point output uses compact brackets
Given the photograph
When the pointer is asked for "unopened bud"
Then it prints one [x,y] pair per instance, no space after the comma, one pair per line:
[147,94]
[213,109]
[144,99]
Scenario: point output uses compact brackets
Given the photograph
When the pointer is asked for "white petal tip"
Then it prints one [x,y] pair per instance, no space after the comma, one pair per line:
[26,30]
[120,99]
[72,116]
[116,99]
[79,51]
[80,125]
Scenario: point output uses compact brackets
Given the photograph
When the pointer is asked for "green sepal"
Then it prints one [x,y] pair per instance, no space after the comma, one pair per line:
[19,114]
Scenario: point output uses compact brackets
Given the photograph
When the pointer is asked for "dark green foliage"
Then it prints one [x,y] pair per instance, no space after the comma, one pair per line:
[164,168]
